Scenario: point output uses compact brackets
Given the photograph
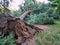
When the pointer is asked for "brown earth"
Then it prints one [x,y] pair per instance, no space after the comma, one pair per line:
[44,27]
[24,33]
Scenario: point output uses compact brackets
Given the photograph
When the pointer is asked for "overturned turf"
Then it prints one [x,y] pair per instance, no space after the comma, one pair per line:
[24,33]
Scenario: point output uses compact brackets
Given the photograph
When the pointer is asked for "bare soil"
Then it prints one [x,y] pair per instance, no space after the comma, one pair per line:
[44,27]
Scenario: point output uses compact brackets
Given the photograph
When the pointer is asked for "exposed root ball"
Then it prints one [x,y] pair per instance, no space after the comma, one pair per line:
[21,29]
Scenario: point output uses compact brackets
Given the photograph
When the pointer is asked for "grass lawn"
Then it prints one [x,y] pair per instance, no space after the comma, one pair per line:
[49,37]
[55,26]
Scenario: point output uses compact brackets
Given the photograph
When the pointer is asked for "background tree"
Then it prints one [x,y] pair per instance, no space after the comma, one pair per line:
[5,5]
[56,4]
[38,10]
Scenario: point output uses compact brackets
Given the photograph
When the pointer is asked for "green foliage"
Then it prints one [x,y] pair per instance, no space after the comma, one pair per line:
[56,16]
[37,42]
[31,19]
[41,14]
[5,4]
[5,10]
[52,13]
[41,18]
[29,5]
[7,40]
[17,13]
[57,4]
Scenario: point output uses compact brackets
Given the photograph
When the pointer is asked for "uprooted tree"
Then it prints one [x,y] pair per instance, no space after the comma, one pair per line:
[24,33]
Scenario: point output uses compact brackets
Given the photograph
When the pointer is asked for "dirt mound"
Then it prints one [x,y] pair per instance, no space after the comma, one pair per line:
[24,33]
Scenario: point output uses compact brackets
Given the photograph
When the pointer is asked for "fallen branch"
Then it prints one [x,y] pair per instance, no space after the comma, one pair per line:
[25,14]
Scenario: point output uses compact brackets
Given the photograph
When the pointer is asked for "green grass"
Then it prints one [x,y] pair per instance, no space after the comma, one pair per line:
[56,25]
[49,37]
[7,40]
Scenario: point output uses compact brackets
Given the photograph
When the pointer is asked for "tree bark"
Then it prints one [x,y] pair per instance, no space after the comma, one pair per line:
[25,14]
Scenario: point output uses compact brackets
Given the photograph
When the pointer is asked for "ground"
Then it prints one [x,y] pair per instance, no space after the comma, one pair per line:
[50,36]
[44,27]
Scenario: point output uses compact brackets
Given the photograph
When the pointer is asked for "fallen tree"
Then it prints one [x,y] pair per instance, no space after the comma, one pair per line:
[24,33]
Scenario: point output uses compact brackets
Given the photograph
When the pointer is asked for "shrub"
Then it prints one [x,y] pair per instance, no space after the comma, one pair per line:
[17,13]
[56,16]
[41,18]
[52,13]
[31,19]
[7,40]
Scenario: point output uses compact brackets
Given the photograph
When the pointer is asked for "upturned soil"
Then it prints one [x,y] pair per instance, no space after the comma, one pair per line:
[24,33]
